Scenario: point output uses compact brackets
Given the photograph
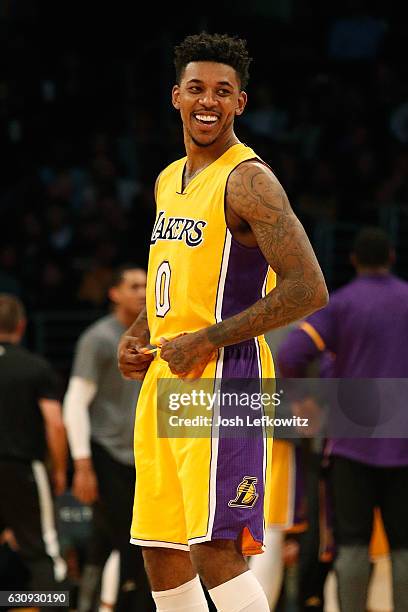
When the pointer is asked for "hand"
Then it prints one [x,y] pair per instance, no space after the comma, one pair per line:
[188,354]
[309,409]
[132,362]
[290,552]
[59,480]
[84,483]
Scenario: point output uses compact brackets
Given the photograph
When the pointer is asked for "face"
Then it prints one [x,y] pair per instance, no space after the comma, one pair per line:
[208,98]
[130,294]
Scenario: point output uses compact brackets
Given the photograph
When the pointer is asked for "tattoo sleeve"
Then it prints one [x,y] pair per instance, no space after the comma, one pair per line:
[256,196]
[140,328]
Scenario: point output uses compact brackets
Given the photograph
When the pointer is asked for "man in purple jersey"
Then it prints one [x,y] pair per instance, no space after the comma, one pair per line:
[365,325]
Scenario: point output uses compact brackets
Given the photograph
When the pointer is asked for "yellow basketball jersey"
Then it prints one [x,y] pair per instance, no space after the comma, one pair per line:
[198,274]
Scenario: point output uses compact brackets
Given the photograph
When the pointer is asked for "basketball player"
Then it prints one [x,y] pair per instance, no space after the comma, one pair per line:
[224,229]
[372,313]
[99,411]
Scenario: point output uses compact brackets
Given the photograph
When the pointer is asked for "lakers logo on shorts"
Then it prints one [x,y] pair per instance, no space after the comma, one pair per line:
[246,493]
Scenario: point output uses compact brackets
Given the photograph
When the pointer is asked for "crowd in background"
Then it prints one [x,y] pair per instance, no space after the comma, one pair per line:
[85,131]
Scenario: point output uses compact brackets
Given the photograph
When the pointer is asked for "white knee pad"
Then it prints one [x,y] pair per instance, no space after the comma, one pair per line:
[188,597]
[240,594]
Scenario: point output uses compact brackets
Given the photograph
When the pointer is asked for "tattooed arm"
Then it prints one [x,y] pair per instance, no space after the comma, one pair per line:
[256,196]
[256,201]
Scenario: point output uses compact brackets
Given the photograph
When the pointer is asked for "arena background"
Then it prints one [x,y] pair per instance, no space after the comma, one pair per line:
[86,125]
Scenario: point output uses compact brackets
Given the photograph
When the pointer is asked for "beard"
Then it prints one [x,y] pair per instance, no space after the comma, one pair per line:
[202,144]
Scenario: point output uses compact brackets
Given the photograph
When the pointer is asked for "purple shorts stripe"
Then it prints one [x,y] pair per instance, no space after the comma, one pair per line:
[240,461]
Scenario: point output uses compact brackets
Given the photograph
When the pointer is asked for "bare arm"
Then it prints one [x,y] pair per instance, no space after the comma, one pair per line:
[140,328]
[132,363]
[56,441]
[256,196]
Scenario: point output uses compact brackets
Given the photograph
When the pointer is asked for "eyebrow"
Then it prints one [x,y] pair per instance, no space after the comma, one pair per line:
[218,83]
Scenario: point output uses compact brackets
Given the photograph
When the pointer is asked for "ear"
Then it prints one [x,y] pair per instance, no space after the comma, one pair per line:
[175,96]
[113,295]
[242,100]
[21,327]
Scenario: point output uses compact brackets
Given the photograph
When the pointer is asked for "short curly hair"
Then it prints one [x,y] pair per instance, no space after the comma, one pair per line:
[221,48]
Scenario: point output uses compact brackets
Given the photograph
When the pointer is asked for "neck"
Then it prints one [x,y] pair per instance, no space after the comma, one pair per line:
[199,157]
[380,271]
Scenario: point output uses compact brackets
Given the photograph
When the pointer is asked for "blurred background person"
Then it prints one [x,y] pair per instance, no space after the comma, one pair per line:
[286,514]
[365,326]
[31,428]
[99,408]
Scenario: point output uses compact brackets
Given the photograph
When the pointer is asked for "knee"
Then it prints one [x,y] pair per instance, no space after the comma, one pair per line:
[352,562]
[217,561]
[167,568]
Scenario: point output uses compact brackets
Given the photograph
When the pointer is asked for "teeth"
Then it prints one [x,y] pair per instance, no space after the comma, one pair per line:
[206,118]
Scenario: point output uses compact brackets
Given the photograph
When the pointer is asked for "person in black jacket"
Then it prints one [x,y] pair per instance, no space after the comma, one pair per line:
[31,426]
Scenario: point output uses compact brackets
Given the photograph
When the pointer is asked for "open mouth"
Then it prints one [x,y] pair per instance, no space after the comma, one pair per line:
[205,119]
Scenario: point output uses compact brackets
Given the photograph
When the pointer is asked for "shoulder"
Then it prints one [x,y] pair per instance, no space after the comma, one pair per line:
[98,333]
[168,172]
[31,361]
[254,191]
[341,299]
[399,283]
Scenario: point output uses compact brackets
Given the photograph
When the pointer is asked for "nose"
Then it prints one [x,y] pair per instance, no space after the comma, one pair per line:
[208,99]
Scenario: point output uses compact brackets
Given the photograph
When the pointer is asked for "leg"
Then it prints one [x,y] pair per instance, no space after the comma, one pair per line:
[394,504]
[110,582]
[312,571]
[175,584]
[224,571]
[217,561]
[222,568]
[167,568]
[116,489]
[99,547]
[353,513]
[28,509]
[268,568]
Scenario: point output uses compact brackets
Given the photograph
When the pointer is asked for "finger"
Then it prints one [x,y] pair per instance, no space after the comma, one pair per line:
[165,355]
[133,359]
[134,367]
[150,349]
[80,495]
[130,342]
[177,371]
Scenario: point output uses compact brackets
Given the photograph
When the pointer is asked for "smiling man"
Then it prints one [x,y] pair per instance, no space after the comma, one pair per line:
[224,231]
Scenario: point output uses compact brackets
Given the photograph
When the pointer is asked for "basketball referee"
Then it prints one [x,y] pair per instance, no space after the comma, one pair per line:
[30,426]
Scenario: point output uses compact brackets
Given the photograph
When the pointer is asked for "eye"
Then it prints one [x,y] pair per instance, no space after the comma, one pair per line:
[224,92]
[194,89]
